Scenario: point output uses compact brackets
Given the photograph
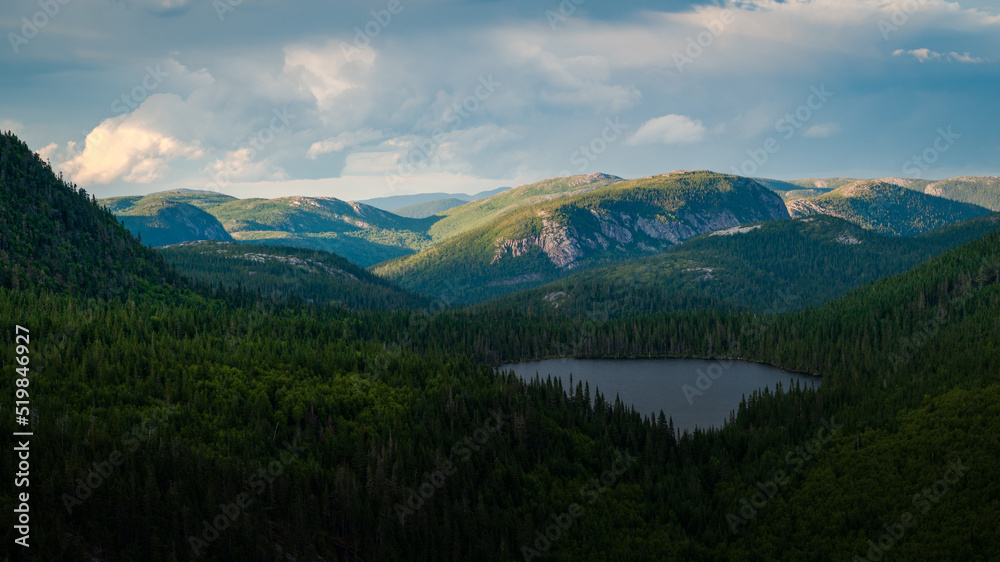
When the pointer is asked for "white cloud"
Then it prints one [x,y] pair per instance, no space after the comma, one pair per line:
[669,129]
[925,55]
[343,140]
[822,131]
[328,72]
[133,148]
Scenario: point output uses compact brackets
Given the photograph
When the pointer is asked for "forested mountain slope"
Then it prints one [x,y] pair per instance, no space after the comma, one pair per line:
[166,222]
[886,206]
[360,233]
[54,237]
[478,213]
[548,240]
[773,266]
[284,273]
[186,429]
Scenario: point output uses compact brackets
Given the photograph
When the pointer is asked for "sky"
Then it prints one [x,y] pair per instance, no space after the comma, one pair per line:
[362,99]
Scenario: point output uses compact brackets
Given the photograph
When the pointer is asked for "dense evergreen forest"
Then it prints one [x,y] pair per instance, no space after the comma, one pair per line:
[174,420]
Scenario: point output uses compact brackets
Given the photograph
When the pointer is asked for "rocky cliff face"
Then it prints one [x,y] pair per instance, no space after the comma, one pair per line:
[566,242]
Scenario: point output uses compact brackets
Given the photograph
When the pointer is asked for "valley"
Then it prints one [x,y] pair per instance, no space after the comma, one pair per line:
[376,378]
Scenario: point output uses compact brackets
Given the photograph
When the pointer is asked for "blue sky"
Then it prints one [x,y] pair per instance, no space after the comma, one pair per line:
[361,99]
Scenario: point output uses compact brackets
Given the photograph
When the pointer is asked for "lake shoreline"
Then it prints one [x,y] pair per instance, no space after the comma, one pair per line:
[630,357]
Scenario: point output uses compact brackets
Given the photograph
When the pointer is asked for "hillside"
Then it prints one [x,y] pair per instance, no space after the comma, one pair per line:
[887,207]
[361,233]
[479,213]
[396,202]
[55,237]
[280,273]
[201,430]
[429,208]
[545,241]
[163,222]
[776,266]
[982,191]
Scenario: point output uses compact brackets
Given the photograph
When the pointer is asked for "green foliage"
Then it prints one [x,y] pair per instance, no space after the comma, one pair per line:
[479,213]
[198,394]
[53,237]
[981,191]
[887,208]
[163,222]
[360,233]
[286,274]
[429,208]
[773,267]
[539,243]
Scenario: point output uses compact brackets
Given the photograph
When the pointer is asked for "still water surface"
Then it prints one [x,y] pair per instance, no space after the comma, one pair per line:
[696,392]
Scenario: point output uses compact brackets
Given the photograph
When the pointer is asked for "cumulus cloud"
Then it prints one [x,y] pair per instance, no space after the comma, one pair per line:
[128,147]
[328,71]
[925,55]
[669,129]
[822,131]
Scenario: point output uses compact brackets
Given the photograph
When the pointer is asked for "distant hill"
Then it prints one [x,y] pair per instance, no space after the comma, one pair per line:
[773,266]
[886,206]
[429,208]
[478,213]
[358,232]
[982,191]
[280,273]
[538,243]
[396,202]
[55,237]
[162,222]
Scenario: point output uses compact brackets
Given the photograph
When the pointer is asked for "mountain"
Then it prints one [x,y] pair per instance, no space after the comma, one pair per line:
[797,189]
[828,183]
[361,233]
[162,222]
[429,208]
[55,237]
[541,242]
[982,191]
[479,213]
[280,273]
[774,266]
[886,206]
[396,202]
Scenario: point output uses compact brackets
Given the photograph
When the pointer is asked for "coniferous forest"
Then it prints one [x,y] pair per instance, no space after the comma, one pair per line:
[214,416]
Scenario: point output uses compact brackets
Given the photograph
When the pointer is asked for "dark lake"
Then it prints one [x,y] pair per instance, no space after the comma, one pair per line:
[696,392]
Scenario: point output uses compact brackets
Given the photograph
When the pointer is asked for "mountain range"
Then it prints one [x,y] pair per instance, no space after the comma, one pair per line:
[539,242]
[276,403]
